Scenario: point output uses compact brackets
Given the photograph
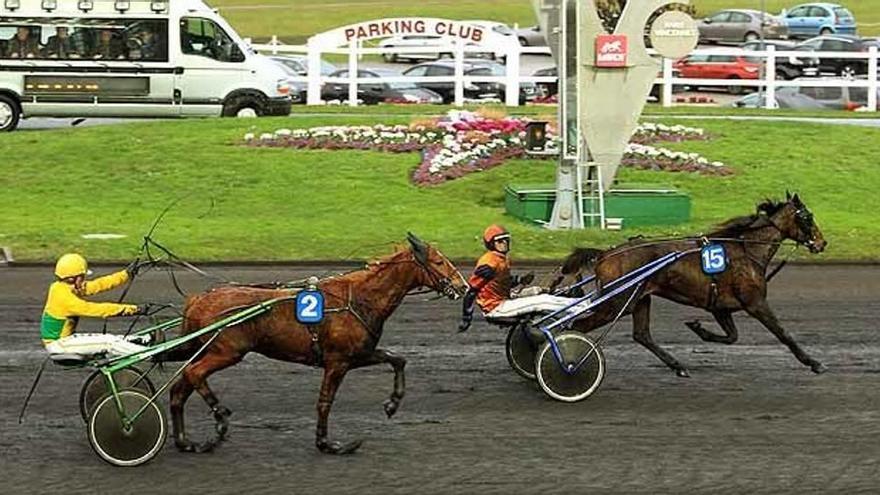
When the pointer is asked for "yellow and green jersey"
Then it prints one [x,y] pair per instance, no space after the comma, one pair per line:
[64,306]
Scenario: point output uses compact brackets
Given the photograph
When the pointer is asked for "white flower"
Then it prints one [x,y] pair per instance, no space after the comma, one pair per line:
[249,137]
[266,137]
[283,133]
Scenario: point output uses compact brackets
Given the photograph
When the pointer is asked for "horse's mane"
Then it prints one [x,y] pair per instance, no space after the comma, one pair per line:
[739,225]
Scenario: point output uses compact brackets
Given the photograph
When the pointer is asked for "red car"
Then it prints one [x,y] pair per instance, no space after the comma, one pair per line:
[720,67]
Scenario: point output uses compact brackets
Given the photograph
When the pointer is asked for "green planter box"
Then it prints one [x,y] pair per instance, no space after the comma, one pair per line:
[638,205]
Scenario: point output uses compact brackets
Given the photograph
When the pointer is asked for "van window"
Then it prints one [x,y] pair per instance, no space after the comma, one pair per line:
[205,38]
[84,39]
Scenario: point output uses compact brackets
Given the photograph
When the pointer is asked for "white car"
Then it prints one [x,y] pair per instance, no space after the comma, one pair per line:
[442,44]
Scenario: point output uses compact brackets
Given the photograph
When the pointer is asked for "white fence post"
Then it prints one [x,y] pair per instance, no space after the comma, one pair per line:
[313,93]
[770,77]
[352,74]
[274,42]
[667,82]
[512,55]
[459,74]
[872,79]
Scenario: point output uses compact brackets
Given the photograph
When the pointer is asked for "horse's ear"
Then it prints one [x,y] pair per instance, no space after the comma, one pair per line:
[419,248]
[787,195]
[797,199]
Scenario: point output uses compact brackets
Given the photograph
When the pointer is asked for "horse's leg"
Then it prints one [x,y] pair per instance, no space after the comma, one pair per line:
[725,320]
[642,334]
[397,363]
[180,392]
[196,374]
[333,374]
[761,311]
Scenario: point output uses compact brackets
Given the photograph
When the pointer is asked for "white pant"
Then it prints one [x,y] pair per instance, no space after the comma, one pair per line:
[543,303]
[84,345]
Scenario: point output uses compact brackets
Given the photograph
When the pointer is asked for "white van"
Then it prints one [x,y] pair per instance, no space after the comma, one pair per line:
[128,58]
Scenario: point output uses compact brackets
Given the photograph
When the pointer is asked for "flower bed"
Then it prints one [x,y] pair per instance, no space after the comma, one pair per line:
[463,142]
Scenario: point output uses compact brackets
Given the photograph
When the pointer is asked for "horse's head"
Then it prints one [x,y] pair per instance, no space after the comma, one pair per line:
[796,222]
[439,273]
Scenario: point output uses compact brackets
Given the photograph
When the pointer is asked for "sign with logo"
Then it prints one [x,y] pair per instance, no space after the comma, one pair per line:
[611,50]
[310,307]
[674,34]
[713,259]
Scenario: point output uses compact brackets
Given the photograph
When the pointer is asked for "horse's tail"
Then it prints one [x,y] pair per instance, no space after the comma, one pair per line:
[580,259]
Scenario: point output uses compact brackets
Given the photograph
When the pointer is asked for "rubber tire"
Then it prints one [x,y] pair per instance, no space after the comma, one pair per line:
[826,32]
[521,352]
[135,447]
[12,104]
[558,384]
[751,36]
[237,103]
[390,58]
[848,72]
[736,90]
[95,388]
[523,42]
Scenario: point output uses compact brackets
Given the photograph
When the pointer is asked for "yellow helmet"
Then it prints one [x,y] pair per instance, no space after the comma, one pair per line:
[71,265]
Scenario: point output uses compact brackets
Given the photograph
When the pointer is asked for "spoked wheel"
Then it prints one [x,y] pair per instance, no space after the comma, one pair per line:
[521,350]
[566,381]
[95,388]
[127,445]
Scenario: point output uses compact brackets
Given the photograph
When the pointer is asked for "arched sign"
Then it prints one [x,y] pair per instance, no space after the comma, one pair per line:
[466,32]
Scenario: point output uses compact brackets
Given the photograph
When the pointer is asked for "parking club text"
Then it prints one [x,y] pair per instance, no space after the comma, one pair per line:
[381,29]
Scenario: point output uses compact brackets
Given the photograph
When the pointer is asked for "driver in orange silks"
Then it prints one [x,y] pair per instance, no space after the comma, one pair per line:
[491,284]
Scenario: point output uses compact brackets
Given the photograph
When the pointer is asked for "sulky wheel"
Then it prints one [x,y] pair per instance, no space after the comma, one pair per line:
[131,445]
[567,382]
[520,349]
[95,387]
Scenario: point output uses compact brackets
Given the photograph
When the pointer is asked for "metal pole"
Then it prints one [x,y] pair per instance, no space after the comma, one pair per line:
[763,74]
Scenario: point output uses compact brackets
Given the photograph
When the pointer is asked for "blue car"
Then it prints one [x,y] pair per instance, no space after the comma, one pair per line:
[816,19]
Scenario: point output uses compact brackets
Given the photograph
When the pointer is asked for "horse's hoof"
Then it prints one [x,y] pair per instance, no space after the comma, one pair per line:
[818,368]
[391,406]
[185,446]
[220,413]
[338,448]
[682,373]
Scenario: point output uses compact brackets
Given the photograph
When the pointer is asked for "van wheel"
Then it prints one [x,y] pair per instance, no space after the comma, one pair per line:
[243,107]
[10,114]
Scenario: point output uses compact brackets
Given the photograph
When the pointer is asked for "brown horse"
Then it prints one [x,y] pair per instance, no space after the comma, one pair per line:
[358,303]
[750,243]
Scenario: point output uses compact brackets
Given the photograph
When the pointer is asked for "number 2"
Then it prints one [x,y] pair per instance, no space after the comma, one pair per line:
[310,306]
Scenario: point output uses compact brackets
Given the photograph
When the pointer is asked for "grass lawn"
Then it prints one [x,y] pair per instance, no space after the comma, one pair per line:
[278,204]
[293,21]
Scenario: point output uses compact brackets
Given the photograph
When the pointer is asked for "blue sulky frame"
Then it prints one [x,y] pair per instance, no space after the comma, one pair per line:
[585,305]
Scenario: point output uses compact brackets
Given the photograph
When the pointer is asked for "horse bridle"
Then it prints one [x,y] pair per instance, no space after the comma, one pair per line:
[442,283]
[803,218]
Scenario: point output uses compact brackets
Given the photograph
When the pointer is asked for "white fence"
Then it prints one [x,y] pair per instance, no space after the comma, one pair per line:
[513,79]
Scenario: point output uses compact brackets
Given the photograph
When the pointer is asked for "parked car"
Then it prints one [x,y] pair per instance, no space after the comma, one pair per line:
[784,99]
[548,89]
[816,19]
[731,67]
[531,36]
[373,93]
[836,97]
[442,44]
[472,90]
[297,66]
[738,25]
[787,68]
[844,67]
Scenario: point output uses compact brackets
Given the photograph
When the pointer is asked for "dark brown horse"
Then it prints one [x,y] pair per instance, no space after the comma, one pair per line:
[358,303]
[750,243]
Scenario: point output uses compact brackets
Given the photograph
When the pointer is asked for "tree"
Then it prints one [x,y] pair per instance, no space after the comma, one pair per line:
[610,11]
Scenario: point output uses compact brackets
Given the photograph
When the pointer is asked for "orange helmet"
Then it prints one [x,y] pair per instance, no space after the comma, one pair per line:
[493,233]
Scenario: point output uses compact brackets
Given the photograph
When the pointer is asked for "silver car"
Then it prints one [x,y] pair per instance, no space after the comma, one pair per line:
[738,25]
[531,36]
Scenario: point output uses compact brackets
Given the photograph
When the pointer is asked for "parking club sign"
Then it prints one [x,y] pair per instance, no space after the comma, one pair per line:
[611,50]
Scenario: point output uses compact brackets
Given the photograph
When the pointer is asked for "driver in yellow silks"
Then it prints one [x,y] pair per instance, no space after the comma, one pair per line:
[64,307]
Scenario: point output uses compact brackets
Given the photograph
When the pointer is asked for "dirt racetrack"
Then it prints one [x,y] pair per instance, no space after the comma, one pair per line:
[750,420]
